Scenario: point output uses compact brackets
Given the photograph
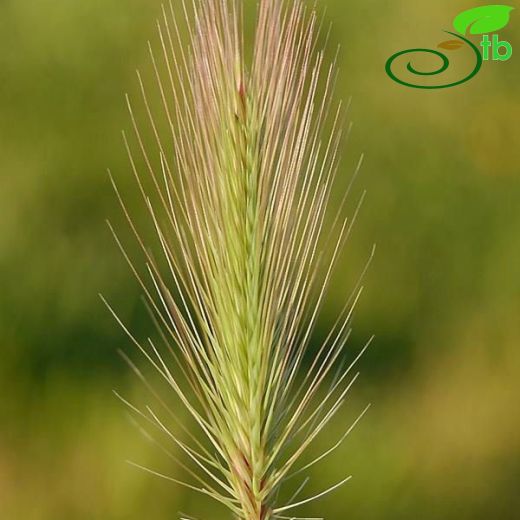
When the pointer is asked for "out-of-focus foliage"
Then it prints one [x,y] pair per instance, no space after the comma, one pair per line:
[443,295]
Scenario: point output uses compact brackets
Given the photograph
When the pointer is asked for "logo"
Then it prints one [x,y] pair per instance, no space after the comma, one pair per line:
[478,21]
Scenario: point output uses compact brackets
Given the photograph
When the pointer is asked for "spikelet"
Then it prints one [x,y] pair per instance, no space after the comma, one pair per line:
[236,185]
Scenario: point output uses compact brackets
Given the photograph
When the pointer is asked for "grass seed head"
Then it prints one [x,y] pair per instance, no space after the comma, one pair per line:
[236,183]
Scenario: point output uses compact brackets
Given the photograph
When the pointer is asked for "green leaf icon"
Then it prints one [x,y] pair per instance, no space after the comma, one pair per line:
[481,20]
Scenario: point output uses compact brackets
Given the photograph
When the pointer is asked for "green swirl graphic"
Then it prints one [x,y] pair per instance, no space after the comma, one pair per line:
[444,66]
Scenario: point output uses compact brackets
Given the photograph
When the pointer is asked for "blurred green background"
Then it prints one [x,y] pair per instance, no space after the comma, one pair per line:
[442,296]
